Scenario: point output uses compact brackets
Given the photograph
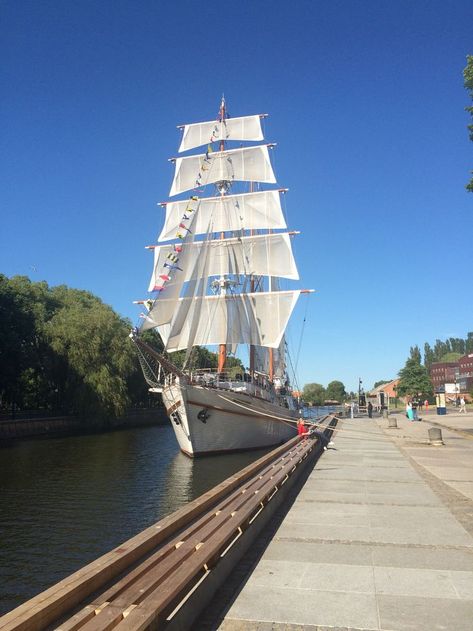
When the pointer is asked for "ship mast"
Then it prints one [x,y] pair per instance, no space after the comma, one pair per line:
[222,349]
[271,353]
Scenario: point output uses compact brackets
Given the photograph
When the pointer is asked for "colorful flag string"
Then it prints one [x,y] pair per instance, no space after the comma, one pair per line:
[184,230]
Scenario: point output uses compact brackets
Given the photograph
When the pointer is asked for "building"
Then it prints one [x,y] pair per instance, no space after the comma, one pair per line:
[383,395]
[465,376]
[458,375]
[444,372]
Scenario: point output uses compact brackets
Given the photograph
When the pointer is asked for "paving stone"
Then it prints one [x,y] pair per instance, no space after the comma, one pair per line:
[409,613]
[303,606]
[423,558]
[414,582]
[334,553]
[374,541]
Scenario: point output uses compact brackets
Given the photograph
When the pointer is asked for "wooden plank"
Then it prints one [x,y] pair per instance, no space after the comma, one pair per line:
[136,583]
[152,608]
[135,591]
[212,532]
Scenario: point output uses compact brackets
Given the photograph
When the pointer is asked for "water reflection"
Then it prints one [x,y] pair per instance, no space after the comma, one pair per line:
[65,501]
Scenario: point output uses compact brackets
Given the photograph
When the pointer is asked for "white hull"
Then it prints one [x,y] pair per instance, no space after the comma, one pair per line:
[210,420]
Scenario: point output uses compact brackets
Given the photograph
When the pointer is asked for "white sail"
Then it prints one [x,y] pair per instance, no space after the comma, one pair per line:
[251,164]
[248,211]
[164,330]
[262,360]
[260,255]
[242,128]
[255,318]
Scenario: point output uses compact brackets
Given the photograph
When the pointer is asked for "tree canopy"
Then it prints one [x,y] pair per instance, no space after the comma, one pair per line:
[63,349]
[415,354]
[460,346]
[314,394]
[468,80]
[335,391]
[414,380]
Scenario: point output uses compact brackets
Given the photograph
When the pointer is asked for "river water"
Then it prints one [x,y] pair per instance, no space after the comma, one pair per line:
[66,501]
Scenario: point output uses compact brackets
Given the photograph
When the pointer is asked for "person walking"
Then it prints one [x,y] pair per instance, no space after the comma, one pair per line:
[462,406]
[426,405]
[370,410]
[409,411]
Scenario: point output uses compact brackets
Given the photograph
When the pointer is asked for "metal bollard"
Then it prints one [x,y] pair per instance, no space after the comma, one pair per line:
[435,436]
[392,422]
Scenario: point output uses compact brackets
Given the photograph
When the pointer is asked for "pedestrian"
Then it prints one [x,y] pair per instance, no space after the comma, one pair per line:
[462,406]
[426,405]
[409,411]
[325,442]
[414,410]
[301,430]
[370,410]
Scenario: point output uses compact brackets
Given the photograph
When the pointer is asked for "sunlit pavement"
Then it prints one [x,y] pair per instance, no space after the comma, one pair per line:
[379,538]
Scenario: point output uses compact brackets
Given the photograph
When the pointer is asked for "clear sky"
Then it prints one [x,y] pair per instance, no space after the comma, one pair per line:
[366,103]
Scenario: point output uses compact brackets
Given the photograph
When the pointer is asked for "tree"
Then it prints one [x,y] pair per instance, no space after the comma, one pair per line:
[414,380]
[335,391]
[314,393]
[62,348]
[457,345]
[440,349]
[429,356]
[468,79]
[92,341]
[469,342]
[415,354]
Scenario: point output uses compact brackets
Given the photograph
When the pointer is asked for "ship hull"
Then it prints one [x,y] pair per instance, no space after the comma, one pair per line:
[210,421]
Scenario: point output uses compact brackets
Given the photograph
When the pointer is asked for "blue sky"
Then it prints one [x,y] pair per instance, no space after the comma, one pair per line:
[366,103]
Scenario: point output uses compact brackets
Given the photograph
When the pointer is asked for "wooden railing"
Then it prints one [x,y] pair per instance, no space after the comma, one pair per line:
[148,581]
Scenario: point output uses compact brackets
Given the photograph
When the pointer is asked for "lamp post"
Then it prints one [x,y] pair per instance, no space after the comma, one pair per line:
[359,390]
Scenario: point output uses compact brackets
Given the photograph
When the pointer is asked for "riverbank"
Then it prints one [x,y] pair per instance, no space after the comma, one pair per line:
[30,425]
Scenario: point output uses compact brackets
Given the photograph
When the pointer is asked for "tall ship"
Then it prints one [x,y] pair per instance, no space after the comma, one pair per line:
[219,262]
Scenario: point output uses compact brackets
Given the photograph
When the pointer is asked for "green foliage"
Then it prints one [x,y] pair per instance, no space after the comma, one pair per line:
[414,380]
[468,81]
[451,357]
[335,391]
[63,349]
[469,343]
[314,394]
[415,354]
[457,345]
[429,356]
[201,357]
